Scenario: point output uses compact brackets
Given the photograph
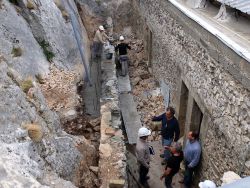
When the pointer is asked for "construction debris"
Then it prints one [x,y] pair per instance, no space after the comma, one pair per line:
[145,89]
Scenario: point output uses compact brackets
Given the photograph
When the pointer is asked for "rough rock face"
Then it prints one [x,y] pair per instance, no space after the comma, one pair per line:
[22,62]
[178,54]
[47,23]
[57,151]
[15,33]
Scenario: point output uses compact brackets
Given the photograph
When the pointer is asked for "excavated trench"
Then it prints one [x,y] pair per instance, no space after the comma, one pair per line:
[87,119]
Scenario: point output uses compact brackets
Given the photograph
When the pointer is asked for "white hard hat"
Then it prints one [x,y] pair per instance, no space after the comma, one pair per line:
[101,28]
[121,38]
[143,131]
[207,184]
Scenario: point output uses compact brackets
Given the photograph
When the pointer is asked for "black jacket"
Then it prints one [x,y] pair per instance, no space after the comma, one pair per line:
[170,128]
[122,48]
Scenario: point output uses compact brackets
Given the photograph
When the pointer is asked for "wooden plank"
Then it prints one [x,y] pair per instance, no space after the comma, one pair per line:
[130,116]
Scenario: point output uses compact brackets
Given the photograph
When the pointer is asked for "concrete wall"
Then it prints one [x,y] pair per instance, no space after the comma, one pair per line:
[185,55]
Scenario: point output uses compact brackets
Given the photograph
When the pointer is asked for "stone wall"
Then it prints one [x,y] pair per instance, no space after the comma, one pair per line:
[185,53]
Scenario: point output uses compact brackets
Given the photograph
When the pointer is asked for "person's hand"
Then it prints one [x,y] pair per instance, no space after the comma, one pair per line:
[166,147]
[161,178]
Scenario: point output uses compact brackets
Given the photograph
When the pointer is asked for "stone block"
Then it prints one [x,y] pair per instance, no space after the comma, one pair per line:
[116,183]
[110,131]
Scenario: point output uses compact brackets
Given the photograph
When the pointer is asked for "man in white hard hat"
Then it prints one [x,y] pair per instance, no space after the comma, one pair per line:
[122,48]
[99,39]
[207,184]
[143,155]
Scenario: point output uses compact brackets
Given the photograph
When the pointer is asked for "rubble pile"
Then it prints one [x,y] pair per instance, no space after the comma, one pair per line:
[144,87]
[59,88]
[62,91]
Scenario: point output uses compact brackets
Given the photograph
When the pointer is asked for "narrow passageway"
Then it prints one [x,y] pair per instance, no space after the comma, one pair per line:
[148,98]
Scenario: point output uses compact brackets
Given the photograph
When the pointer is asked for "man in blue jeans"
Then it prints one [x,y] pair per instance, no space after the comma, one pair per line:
[192,153]
[170,130]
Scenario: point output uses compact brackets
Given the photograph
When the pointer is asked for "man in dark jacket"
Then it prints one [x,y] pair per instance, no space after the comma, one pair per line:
[170,130]
[123,58]
[173,163]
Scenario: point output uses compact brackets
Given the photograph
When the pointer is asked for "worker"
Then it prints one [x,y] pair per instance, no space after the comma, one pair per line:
[170,130]
[207,184]
[99,39]
[143,155]
[122,48]
[173,163]
[192,153]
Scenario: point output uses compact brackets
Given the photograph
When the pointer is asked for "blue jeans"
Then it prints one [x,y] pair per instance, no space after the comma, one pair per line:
[188,176]
[167,142]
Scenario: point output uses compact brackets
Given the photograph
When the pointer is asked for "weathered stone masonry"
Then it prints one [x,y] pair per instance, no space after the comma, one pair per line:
[217,81]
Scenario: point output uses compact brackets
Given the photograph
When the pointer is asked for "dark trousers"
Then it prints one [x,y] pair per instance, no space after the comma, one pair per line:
[188,176]
[143,171]
[168,181]
[97,49]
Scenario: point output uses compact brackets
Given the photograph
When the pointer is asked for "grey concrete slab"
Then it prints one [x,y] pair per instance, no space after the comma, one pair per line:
[130,116]
[92,92]
[124,84]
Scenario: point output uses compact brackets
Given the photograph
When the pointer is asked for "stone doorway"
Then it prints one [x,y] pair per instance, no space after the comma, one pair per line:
[196,118]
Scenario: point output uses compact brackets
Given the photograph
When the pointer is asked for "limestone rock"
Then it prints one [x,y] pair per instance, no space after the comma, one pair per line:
[49,25]
[136,81]
[32,61]
[229,177]
[110,131]
[105,150]
[94,122]
[94,169]
[70,115]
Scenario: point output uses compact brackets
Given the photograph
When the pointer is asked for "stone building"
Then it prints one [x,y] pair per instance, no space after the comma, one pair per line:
[205,63]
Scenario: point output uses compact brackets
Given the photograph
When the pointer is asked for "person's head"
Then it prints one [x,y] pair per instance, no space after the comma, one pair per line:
[101,28]
[207,184]
[193,135]
[170,112]
[121,38]
[175,148]
[143,133]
